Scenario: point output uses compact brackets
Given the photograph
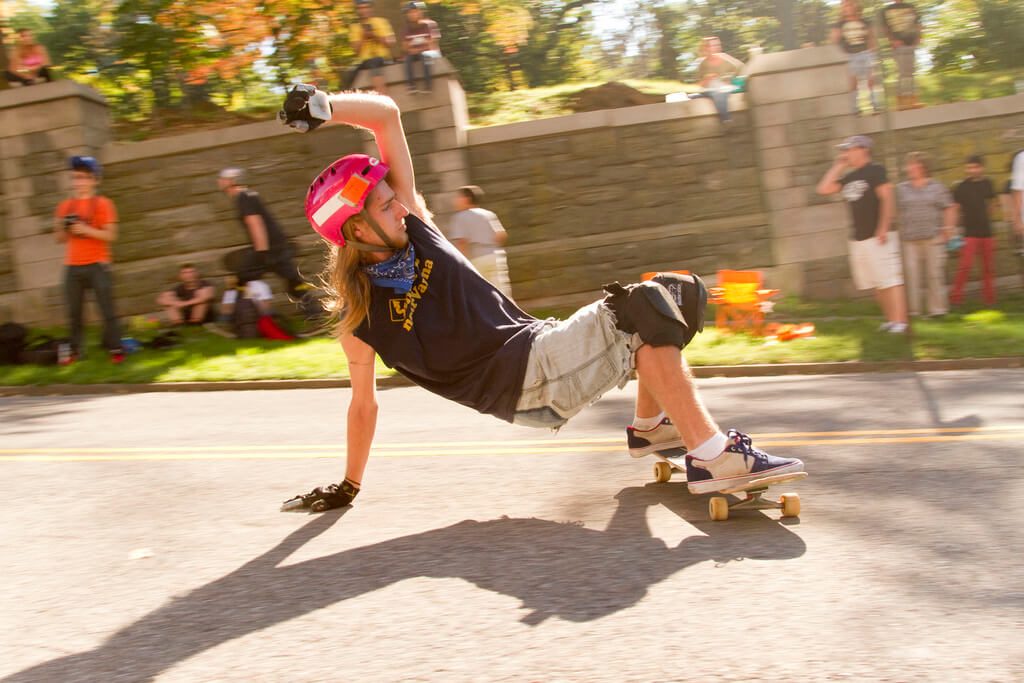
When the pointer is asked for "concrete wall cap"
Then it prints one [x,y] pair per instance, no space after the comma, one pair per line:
[45,92]
[795,60]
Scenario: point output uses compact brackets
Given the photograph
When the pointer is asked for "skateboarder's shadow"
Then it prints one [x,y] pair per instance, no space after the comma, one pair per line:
[555,569]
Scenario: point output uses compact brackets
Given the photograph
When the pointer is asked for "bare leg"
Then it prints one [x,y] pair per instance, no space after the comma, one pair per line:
[666,381]
[646,406]
[168,301]
[894,304]
[198,313]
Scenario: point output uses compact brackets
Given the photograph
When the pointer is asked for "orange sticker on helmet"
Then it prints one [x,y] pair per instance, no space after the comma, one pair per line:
[355,190]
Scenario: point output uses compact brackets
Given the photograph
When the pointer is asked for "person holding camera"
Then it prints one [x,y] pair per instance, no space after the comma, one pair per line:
[373,41]
[86,224]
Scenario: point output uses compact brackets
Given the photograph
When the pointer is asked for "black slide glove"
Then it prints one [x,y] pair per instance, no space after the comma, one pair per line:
[323,498]
[305,108]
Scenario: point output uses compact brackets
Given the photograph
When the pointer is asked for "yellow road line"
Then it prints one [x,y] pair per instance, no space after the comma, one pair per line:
[445,449]
[488,446]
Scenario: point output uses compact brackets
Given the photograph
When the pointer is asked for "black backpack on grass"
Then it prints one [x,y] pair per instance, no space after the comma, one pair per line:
[12,343]
[245,319]
[43,350]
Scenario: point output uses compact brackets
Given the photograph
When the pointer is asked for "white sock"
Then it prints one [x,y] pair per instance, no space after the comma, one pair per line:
[711,448]
[644,424]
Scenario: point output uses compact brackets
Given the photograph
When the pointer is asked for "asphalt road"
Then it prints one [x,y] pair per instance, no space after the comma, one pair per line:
[141,541]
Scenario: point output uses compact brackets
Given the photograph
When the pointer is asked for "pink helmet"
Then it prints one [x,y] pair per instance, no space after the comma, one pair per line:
[340,191]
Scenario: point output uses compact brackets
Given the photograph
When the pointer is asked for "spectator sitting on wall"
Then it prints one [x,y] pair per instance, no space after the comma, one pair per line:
[270,249]
[854,35]
[420,43]
[718,74]
[903,27]
[29,62]
[373,40]
[874,247]
[190,302]
[479,235]
[86,224]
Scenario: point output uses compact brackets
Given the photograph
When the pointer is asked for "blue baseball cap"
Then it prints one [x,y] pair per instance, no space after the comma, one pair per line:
[85,163]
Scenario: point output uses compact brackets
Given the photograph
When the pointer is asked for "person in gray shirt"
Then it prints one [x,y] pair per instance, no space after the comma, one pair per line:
[479,235]
[927,219]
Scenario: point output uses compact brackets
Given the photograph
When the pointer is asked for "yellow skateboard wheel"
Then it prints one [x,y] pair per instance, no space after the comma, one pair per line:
[718,509]
[790,504]
[662,472]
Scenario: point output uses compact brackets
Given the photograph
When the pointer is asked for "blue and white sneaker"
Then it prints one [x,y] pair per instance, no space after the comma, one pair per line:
[738,464]
[662,437]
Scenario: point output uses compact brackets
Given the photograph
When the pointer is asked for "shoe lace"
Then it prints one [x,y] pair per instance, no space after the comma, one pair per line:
[741,443]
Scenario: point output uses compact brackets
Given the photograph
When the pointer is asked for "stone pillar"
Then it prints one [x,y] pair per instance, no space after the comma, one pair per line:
[40,126]
[435,126]
[801,108]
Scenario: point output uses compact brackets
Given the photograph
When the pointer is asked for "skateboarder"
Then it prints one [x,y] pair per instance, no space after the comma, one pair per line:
[400,290]
[270,250]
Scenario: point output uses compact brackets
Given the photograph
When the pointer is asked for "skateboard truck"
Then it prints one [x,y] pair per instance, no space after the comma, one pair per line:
[789,503]
[753,498]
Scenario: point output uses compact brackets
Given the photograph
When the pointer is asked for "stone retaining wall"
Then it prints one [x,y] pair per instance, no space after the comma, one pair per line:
[587,198]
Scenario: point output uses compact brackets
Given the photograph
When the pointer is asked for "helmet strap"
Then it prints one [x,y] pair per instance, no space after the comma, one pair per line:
[363,246]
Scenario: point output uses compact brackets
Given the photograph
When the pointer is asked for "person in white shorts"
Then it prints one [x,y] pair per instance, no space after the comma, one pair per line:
[1017,192]
[399,289]
[874,247]
[480,236]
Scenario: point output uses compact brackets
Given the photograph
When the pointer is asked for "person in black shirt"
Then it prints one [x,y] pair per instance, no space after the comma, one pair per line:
[189,302]
[402,291]
[270,249]
[874,248]
[903,27]
[974,196]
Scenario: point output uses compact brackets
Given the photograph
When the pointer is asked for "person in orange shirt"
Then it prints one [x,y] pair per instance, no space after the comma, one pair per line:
[87,225]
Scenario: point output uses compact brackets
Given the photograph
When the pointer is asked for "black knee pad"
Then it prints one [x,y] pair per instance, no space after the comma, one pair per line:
[665,311]
[691,296]
[647,310]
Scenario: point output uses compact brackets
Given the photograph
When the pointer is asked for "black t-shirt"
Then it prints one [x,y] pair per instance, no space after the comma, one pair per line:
[454,333]
[859,188]
[250,204]
[901,20]
[853,35]
[184,293]
[973,197]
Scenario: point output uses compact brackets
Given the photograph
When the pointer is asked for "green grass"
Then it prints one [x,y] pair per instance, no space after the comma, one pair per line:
[845,331]
[202,357]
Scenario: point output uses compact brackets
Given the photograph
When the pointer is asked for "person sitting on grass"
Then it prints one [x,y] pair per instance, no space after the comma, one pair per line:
[399,289]
[190,302]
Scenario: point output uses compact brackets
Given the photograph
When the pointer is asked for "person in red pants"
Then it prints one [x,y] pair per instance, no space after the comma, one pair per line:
[974,196]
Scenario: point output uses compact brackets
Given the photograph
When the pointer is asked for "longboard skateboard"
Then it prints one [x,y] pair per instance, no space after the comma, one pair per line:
[672,460]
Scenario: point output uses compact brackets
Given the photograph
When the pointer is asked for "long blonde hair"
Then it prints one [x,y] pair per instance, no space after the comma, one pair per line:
[347,286]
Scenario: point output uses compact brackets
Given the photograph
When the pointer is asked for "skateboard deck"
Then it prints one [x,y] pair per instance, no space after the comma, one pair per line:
[672,460]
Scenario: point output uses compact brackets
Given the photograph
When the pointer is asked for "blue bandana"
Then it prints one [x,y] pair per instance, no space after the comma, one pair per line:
[397,272]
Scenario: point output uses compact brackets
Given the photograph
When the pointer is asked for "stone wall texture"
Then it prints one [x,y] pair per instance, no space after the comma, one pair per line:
[587,199]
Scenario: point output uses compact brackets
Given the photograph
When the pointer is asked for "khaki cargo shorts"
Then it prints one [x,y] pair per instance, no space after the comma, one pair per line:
[571,364]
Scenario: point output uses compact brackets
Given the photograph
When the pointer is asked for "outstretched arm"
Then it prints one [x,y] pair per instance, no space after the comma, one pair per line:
[362,409]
